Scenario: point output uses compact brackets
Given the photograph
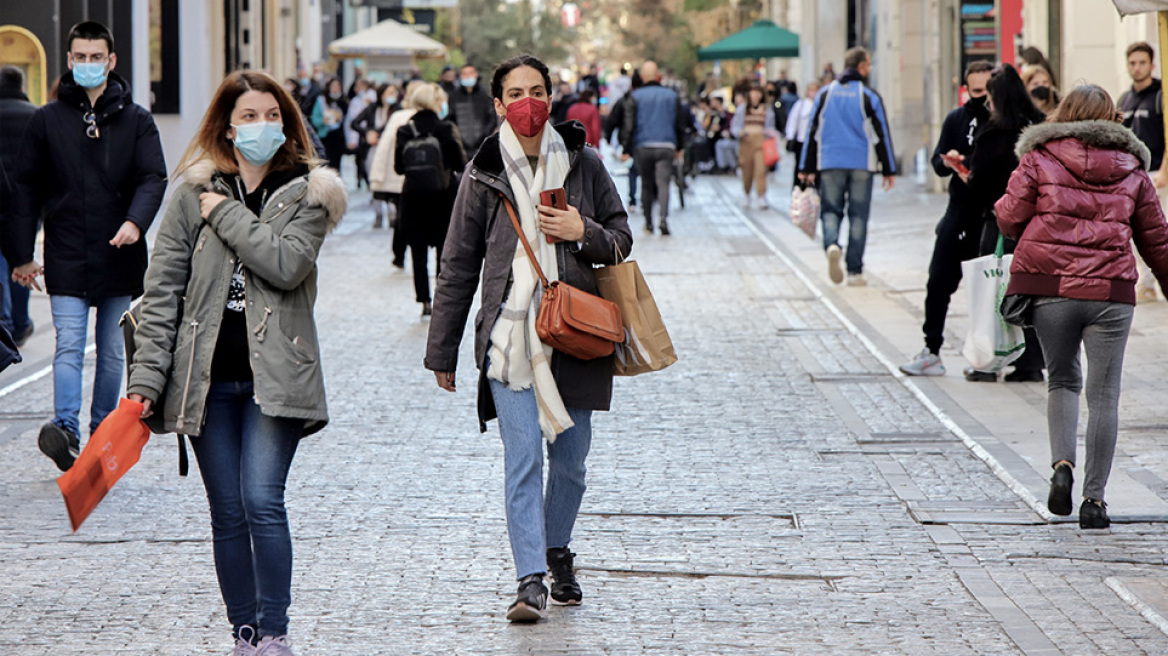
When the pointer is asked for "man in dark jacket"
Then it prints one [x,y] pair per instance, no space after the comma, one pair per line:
[1142,107]
[654,130]
[91,163]
[473,110]
[15,113]
[959,231]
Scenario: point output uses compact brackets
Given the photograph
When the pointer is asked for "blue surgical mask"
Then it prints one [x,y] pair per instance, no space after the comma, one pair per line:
[89,75]
[444,110]
[258,142]
[469,82]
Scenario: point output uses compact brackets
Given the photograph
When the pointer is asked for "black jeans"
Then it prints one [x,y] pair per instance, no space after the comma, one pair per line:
[656,168]
[956,242]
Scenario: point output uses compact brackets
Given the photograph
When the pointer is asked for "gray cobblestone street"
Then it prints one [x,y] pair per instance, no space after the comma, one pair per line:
[776,491]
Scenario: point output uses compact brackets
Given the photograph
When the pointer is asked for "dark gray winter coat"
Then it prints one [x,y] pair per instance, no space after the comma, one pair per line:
[482,242]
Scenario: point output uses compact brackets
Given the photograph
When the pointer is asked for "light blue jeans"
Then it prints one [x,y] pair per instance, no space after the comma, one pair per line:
[852,187]
[539,520]
[71,319]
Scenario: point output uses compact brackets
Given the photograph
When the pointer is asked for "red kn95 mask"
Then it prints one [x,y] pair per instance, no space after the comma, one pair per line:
[527,116]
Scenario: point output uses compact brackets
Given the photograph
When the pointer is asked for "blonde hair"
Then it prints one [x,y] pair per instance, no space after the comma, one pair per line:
[1087,102]
[428,96]
[412,88]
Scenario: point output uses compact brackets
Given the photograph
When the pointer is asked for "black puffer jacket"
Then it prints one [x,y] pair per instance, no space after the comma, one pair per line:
[482,243]
[87,188]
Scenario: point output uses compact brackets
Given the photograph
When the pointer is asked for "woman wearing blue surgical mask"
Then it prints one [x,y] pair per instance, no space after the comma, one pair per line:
[226,347]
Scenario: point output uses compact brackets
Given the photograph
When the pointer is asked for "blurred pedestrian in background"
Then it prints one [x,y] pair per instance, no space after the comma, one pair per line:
[654,130]
[990,164]
[1040,85]
[386,181]
[753,124]
[536,393]
[1078,198]
[328,117]
[15,113]
[586,112]
[428,154]
[363,95]
[616,125]
[798,124]
[368,126]
[472,110]
[229,335]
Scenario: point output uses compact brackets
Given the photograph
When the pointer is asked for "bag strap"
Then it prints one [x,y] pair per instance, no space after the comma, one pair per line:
[523,239]
[1000,249]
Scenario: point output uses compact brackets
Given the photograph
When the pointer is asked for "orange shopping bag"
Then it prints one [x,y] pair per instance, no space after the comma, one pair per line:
[111,451]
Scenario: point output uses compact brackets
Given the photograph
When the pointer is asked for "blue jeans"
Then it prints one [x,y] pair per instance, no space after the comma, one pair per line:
[15,313]
[244,457]
[537,521]
[855,187]
[71,319]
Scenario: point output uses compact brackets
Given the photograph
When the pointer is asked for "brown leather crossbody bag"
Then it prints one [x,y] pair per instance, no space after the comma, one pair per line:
[571,320]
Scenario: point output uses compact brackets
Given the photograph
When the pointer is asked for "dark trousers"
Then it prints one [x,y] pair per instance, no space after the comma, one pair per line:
[656,166]
[956,242]
[419,254]
[633,175]
[1031,359]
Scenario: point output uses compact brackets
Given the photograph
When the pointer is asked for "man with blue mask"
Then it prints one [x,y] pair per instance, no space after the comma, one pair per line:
[472,109]
[91,166]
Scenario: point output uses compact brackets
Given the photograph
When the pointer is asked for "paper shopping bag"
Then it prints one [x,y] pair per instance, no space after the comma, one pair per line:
[991,343]
[805,210]
[647,346]
[112,450]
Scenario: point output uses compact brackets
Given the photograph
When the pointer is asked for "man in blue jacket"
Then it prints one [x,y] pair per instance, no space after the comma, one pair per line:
[654,134]
[91,164]
[849,140]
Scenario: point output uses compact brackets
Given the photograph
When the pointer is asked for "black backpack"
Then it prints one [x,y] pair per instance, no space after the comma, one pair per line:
[422,164]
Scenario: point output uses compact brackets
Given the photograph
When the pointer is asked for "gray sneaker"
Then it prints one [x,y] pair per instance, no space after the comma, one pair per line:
[275,646]
[925,364]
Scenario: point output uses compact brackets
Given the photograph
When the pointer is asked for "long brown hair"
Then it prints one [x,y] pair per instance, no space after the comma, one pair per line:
[1088,102]
[211,141]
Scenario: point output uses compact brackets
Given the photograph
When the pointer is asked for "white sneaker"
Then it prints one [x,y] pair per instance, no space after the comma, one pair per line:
[834,270]
[762,203]
[924,364]
[746,203]
[857,280]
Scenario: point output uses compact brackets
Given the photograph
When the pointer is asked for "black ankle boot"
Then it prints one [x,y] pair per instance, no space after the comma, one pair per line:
[1093,514]
[1059,501]
[565,590]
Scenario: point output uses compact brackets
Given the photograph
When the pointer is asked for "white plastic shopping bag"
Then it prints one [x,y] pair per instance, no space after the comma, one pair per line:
[805,209]
[991,343]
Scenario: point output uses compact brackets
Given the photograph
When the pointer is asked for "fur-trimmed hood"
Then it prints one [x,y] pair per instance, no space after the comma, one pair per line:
[1095,151]
[325,188]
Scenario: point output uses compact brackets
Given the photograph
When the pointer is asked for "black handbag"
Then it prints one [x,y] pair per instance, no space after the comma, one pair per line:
[1018,310]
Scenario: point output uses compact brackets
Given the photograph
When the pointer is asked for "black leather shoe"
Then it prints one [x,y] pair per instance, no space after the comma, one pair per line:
[1059,501]
[975,376]
[1093,514]
[1024,376]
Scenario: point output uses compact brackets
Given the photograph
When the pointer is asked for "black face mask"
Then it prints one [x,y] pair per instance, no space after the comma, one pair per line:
[1041,94]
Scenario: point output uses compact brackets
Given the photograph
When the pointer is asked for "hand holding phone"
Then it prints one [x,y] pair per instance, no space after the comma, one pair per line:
[555,199]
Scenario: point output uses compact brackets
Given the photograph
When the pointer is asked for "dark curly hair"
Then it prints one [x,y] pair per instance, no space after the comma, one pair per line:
[506,67]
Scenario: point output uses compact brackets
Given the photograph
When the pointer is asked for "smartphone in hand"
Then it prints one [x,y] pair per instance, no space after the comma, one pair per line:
[555,199]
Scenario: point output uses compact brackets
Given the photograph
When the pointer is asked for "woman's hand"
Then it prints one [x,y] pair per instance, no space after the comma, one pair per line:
[146,403]
[445,380]
[208,201]
[565,225]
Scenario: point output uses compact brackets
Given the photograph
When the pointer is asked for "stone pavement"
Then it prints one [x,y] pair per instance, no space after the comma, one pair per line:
[778,490]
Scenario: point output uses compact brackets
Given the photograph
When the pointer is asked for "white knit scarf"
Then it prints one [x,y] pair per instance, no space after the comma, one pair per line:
[517,356]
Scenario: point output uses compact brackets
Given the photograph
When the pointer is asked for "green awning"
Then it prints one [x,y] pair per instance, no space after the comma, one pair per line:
[763,39]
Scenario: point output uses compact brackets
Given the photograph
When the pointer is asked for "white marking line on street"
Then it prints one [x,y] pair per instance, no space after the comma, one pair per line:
[32,378]
[1149,613]
[978,450]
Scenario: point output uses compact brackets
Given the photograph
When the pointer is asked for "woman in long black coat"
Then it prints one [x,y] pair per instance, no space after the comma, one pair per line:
[425,215]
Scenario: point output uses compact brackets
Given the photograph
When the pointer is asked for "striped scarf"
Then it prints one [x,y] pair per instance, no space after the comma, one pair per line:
[517,356]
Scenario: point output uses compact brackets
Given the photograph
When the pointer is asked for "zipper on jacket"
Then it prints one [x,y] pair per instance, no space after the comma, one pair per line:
[182,414]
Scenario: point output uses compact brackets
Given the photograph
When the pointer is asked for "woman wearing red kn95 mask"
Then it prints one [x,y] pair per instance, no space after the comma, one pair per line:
[537,393]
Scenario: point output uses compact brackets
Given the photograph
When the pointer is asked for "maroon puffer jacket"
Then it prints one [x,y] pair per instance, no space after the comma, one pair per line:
[1076,201]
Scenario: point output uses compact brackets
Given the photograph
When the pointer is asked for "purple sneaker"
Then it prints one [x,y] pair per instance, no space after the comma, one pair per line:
[243,647]
[275,646]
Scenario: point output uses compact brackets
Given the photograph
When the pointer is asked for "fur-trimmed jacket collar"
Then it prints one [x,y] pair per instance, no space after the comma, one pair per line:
[325,188]
[1102,135]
